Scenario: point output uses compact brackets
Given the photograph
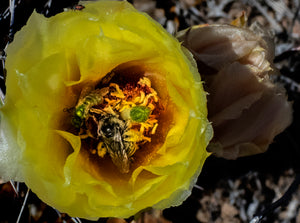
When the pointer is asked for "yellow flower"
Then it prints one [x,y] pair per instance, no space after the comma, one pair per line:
[246,108]
[73,126]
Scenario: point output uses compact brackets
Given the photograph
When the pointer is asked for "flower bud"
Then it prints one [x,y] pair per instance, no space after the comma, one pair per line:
[246,108]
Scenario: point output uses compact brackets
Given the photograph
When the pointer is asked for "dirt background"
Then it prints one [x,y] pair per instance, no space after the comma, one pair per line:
[226,191]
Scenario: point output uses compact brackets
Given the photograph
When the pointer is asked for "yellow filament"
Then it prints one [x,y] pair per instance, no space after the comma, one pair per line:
[118,93]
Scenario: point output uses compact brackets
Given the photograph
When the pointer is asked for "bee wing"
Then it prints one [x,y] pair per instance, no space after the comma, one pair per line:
[85,92]
[117,151]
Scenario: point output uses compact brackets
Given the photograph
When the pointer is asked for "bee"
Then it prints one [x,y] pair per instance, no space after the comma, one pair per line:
[119,140]
[87,100]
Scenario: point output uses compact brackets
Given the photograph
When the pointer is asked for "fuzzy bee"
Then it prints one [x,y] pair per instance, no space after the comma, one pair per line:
[119,140]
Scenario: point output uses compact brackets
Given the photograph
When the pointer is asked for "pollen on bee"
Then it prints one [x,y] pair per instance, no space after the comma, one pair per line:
[101,150]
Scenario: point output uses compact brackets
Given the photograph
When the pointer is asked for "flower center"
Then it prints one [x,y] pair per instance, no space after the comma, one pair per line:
[117,119]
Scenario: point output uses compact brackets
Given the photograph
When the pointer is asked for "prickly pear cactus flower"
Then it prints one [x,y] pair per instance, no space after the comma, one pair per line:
[104,114]
[246,108]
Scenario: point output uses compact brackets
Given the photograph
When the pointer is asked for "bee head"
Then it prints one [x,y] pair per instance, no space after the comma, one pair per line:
[111,127]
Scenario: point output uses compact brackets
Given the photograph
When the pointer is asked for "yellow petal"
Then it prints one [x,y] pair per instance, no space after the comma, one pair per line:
[50,61]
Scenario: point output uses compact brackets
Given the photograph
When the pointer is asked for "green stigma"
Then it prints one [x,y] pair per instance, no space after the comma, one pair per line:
[140,113]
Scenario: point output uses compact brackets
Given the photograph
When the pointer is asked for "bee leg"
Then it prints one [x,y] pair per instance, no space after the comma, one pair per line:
[98,126]
[97,111]
[131,149]
[94,119]
[84,136]
[84,92]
